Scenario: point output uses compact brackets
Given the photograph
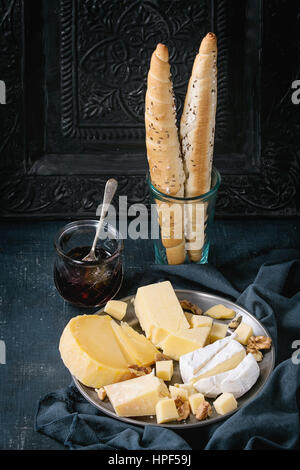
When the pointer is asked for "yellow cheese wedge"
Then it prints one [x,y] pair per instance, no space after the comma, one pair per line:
[137,397]
[90,351]
[116,308]
[135,346]
[185,341]
[159,311]
[220,311]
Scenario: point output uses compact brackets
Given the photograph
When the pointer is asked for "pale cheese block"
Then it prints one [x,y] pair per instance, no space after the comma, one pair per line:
[137,397]
[177,392]
[226,359]
[166,411]
[195,401]
[90,351]
[220,311]
[225,403]
[243,333]
[191,363]
[198,320]
[237,381]
[159,311]
[218,331]
[116,308]
[164,369]
[135,346]
[188,387]
[177,344]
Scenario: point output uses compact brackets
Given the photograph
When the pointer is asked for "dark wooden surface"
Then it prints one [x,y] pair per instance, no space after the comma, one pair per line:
[33,315]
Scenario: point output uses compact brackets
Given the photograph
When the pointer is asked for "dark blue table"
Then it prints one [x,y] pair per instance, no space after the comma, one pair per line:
[33,315]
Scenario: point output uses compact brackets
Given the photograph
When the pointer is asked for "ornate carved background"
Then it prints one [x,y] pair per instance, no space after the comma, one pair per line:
[75,74]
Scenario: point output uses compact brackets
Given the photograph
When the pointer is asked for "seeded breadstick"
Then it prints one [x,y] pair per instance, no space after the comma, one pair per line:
[197,129]
[163,152]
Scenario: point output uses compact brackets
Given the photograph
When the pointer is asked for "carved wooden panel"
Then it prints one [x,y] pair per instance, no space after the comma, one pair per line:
[75,73]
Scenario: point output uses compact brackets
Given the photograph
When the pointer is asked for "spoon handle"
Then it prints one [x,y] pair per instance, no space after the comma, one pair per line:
[109,192]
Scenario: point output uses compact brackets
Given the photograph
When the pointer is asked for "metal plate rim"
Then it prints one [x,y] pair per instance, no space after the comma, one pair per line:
[185,425]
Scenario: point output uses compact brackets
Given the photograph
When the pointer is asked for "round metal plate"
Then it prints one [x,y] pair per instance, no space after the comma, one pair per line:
[204,301]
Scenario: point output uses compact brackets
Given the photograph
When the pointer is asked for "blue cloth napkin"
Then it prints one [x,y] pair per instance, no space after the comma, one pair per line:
[269,287]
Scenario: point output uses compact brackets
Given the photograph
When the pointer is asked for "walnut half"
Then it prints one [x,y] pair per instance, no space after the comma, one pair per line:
[204,411]
[259,342]
[189,306]
[183,408]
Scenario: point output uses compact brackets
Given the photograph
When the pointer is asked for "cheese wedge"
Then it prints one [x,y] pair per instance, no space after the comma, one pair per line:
[90,351]
[166,411]
[225,403]
[137,397]
[159,311]
[116,308]
[218,331]
[136,347]
[226,359]
[177,344]
[237,381]
[220,311]
[191,363]
[198,320]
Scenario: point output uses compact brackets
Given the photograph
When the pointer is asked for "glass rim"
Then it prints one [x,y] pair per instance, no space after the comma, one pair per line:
[202,197]
[87,222]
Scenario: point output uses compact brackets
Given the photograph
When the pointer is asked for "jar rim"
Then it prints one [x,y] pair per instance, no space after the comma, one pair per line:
[81,223]
[202,197]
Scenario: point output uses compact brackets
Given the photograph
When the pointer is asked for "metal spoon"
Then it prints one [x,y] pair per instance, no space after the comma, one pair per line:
[109,192]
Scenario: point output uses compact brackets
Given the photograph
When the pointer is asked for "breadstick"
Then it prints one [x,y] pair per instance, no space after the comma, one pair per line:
[163,151]
[197,129]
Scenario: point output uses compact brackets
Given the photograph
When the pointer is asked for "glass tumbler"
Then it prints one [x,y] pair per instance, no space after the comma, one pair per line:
[181,227]
[88,283]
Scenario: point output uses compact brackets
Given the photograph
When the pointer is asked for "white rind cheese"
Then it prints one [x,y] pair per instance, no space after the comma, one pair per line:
[226,359]
[237,381]
[192,362]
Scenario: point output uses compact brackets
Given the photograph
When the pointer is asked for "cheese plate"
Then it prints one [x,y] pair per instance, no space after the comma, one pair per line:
[204,301]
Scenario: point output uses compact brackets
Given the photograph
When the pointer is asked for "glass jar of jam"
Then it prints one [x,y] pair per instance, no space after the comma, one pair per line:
[88,283]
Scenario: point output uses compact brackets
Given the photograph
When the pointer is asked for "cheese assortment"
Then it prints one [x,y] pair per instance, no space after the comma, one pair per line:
[134,371]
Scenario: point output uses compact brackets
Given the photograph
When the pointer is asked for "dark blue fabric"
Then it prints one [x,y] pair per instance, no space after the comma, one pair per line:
[269,287]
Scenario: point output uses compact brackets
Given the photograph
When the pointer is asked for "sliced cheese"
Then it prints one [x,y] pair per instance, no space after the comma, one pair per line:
[226,359]
[137,397]
[159,311]
[192,362]
[177,344]
[220,311]
[195,401]
[90,351]
[135,346]
[237,381]
[116,308]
